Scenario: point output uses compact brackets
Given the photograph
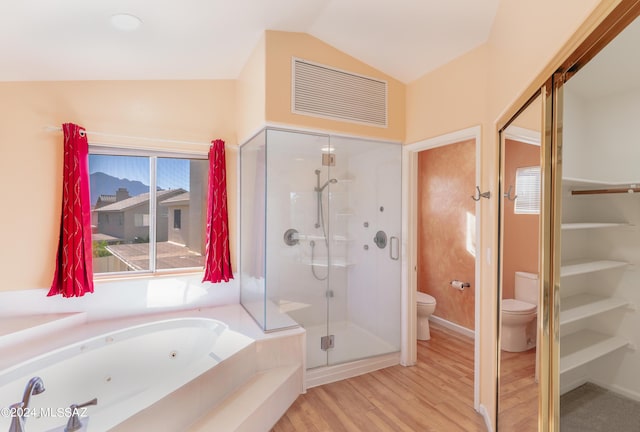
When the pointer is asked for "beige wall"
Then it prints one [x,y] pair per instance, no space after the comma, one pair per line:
[251,91]
[281,46]
[31,158]
[451,98]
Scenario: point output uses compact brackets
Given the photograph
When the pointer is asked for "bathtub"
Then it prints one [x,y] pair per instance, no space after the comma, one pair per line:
[127,370]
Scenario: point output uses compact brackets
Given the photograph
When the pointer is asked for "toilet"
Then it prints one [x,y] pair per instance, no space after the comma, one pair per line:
[426,305]
[519,331]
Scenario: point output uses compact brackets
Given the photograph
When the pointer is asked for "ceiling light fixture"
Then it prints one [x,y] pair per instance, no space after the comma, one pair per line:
[125,22]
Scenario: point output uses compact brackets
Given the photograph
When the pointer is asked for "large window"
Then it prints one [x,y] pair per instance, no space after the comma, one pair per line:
[133,197]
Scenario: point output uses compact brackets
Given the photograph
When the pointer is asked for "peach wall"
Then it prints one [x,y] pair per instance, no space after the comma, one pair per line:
[460,85]
[31,159]
[527,42]
[251,93]
[520,243]
[445,176]
[281,46]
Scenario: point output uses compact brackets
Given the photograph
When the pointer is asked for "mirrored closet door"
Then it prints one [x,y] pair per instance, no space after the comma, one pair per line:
[520,292]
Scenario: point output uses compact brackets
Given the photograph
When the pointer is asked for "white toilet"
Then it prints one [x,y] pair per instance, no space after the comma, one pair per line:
[518,315]
[426,305]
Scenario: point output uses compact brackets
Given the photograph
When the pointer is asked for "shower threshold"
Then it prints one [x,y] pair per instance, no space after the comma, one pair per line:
[356,351]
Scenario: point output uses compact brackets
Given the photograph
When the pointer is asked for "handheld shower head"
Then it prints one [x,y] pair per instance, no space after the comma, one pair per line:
[332,181]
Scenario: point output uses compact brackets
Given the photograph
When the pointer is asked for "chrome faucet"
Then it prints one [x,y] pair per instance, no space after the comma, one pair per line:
[35,386]
[74,422]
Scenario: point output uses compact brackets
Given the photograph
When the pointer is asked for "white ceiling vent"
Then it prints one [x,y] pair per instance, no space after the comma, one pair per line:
[322,91]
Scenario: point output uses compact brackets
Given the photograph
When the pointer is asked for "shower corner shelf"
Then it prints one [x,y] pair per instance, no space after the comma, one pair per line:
[574,268]
[584,346]
[334,263]
[580,306]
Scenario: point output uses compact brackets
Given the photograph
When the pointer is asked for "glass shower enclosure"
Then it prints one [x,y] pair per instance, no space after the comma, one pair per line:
[320,223]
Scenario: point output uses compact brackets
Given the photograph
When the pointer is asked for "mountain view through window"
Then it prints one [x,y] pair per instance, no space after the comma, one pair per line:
[137,227]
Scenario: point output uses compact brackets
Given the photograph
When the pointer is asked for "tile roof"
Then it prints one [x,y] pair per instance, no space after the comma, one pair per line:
[178,199]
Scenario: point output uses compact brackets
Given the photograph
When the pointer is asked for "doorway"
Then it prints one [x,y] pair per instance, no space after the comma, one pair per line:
[411,204]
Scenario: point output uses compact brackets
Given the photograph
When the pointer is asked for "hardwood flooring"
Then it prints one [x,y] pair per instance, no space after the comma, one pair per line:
[434,395]
[518,402]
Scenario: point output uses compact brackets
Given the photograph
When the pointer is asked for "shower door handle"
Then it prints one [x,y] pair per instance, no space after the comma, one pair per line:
[397,248]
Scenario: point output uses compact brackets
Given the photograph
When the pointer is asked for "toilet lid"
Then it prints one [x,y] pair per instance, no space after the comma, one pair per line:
[424,298]
[517,306]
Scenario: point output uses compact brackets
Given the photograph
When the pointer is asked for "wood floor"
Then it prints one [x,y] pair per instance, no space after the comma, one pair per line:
[518,402]
[434,395]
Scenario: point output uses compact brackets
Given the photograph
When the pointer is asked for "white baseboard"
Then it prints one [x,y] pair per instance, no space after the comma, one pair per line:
[329,374]
[617,389]
[487,419]
[453,326]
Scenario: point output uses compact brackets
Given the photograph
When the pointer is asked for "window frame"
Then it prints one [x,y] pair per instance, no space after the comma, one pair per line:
[153,155]
[177,219]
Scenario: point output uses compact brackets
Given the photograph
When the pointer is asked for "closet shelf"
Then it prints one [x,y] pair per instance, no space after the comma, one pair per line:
[581,182]
[584,267]
[312,237]
[581,306]
[593,225]
[578,349]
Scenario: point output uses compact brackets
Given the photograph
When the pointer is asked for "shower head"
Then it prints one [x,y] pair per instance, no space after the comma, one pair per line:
[332,181]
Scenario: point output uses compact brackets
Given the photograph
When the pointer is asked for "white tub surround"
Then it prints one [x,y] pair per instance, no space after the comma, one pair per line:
[121,298]
[160,373]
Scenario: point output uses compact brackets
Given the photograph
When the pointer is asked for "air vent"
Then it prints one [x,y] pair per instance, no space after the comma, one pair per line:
[322,91]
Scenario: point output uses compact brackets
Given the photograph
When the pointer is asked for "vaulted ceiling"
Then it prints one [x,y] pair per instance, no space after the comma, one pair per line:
[212,39]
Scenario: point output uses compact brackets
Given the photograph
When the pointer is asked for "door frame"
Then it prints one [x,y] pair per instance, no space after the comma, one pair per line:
[409,349]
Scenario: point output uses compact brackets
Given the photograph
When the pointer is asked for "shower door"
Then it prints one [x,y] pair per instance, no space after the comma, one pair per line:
[365,220]
[299,200]
[330,233]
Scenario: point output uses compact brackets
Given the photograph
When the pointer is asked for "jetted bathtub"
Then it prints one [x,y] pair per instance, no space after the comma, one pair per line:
[127,370]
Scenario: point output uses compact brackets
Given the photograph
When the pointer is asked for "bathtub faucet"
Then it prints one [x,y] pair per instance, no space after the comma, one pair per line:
[35,386]
[74,422]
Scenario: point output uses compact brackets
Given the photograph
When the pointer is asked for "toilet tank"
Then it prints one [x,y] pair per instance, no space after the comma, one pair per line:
[527,287]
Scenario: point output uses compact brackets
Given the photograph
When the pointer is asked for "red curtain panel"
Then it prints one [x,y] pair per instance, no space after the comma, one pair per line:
[217,266]
[74,268]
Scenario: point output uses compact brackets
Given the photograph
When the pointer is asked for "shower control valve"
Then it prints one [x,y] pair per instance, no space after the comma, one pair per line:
[380,239]
[291,237]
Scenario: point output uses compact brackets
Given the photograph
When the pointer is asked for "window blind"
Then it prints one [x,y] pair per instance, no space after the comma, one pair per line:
[527,190]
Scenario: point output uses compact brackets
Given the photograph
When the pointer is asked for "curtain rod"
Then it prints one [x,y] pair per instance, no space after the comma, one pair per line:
[158,140]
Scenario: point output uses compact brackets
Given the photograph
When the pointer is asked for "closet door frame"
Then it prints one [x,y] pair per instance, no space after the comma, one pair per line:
[596,33]
[611,26]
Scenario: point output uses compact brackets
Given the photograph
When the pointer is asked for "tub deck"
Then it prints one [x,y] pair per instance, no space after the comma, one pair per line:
[249,390]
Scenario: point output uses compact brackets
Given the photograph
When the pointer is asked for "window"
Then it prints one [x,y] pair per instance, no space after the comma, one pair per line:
[140,191]
[177,215]
[140,220]
[527,190]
